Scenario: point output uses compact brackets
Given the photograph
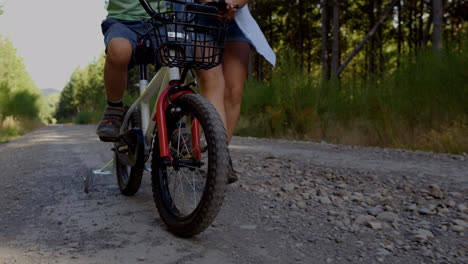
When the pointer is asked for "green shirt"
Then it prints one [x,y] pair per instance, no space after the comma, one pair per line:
[131,9]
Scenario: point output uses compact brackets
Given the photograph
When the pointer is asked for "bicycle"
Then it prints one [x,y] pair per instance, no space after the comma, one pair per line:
[185,137]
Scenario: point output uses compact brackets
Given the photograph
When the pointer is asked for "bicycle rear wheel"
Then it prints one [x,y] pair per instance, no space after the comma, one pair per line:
[189,192]
[130,156]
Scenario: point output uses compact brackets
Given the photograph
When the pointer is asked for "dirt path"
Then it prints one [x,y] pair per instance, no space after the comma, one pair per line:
[296,202]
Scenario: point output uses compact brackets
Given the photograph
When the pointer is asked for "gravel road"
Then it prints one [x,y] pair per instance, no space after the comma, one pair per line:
[296,202]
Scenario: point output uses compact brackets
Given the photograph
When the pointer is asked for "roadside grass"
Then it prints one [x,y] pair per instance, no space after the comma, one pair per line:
[13,127]
[422,105]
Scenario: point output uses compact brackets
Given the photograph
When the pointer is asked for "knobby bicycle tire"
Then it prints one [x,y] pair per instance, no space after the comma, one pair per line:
[213,191]
[129,182]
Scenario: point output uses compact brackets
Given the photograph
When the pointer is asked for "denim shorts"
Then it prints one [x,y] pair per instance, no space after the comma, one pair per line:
[132,30]
[234,33]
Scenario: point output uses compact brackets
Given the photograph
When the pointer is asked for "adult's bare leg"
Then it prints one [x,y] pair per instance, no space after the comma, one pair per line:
[212,88]
[119,53]
[235,69]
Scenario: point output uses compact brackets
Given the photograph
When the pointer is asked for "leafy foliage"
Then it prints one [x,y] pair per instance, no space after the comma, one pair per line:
[22,105]
[84,91]
[19,96]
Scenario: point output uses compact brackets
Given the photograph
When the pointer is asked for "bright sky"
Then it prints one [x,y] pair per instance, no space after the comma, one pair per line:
[54,36]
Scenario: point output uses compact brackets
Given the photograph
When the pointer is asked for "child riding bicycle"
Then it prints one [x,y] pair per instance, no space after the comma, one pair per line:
[222,85]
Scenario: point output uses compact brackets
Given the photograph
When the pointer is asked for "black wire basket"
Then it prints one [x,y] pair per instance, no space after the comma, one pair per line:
[189,37]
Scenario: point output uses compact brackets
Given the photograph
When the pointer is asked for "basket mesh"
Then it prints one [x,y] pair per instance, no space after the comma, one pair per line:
[181,41]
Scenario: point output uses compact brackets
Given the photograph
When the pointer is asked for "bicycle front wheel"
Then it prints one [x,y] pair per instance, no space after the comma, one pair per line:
[189,191]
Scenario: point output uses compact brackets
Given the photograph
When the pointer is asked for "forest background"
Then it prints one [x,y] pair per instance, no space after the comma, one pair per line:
[373,73]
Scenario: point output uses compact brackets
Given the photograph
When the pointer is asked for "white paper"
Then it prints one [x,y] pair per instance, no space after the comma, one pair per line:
[252,31]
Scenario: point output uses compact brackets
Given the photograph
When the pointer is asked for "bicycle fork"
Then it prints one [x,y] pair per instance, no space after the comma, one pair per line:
[160,118]
[169,78]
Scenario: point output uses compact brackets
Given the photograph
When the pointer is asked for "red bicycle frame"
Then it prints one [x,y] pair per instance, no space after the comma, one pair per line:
[160,118]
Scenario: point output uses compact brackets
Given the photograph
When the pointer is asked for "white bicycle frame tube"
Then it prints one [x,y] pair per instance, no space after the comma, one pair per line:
[159,82]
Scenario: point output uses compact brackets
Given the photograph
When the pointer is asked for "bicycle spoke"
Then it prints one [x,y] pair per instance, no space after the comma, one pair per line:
[189,151]
[185,177]
[178,139]
[194,191]
[173,190]
[183,194]
[191,185]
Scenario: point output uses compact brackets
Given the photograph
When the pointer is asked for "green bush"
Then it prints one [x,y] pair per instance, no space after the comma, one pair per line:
[22,104]
[425,99]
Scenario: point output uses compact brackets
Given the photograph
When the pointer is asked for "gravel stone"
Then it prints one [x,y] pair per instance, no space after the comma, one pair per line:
[419,200]
[322,193]
[425,211]
[443,210]
[412,207]
[364,219]
[450,203]
[388,216]
[374,210]
[463,217]
[383,252]
[324,200]
[460,222]
[461,207]
[357,197]
[422,235]
[374,225]
[301,204]
[457,228]
[288,187]
[333,213]
[456,194]
[435,191]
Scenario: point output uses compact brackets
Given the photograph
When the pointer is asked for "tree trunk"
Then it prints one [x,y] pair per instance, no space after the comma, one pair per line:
[438,22]
[428,28]
[421,23]
[336,38]
[372,41]
[410,27]
[368,36]
[301,38]
[309,49]
[400,35]
[325,31]
[380,40]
